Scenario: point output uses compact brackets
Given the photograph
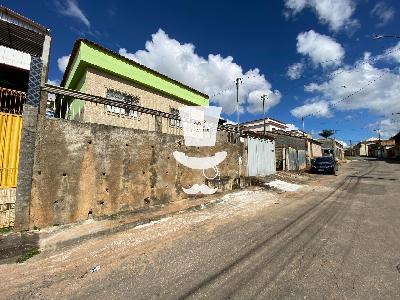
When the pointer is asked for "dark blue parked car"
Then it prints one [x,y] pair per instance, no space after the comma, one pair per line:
[326,164]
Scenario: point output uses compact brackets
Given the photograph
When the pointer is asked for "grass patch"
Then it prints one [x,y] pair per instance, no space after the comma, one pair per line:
[27,256]
[6,229]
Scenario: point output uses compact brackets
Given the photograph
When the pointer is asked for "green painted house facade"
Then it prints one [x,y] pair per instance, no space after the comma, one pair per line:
[96,70]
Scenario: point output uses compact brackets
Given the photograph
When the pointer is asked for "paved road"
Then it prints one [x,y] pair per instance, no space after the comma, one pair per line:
[341,241]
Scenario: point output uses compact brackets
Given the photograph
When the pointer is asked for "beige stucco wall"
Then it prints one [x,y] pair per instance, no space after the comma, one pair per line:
[97,83]
[363,150]
[316,150]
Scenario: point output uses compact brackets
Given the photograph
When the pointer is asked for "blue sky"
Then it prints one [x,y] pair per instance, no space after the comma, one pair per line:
[313,58]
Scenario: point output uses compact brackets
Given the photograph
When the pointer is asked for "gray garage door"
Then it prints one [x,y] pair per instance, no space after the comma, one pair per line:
[261,157]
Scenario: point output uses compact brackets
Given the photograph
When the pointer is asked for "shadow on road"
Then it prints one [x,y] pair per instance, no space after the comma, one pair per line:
[15,244]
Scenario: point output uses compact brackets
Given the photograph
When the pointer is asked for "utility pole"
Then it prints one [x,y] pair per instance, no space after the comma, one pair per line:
[302,122]
[263,101]
[334,142]
[351,148]
[238,81]
[379,140]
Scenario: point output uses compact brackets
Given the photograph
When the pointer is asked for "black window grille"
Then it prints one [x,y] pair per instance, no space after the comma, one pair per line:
[175,122]
[122,97]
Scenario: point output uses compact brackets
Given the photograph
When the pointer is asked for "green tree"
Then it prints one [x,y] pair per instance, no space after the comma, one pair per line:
[325,133]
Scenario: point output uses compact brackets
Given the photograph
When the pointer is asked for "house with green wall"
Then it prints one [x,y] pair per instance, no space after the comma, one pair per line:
[98,71]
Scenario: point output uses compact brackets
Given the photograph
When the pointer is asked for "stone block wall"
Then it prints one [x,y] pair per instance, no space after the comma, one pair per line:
[7,207]
[85,170]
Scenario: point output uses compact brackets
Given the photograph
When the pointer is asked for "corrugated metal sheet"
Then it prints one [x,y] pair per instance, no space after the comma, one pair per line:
[10,137]
[293,159]
[301,155]
[261,157]
[296,159]
[22,39]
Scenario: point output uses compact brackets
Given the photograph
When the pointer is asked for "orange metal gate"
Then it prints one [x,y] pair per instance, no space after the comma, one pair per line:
[10,137]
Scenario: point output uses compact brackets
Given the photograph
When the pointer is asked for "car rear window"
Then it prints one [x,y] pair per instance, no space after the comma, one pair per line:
[324,159]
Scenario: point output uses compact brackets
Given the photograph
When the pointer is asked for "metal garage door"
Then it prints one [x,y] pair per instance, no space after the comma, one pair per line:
[261,157]
[301,155]
[10,136]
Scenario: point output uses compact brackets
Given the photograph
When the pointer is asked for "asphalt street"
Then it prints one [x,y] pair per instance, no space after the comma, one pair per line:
[339,239]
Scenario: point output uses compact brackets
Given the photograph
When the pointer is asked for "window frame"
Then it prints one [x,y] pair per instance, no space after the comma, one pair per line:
[116,95]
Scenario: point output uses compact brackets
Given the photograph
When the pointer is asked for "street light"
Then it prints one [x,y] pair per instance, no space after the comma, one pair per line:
[382,36]
[263,101]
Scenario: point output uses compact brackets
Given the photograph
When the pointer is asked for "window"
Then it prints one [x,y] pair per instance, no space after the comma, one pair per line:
[125,98]
[174,122]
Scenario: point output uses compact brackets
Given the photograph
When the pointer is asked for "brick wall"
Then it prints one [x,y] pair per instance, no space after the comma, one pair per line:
[97,83]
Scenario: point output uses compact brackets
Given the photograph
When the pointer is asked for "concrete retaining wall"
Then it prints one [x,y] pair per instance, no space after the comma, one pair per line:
[85,170]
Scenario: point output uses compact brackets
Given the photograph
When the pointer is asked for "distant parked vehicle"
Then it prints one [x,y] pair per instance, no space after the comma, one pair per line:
[326,164]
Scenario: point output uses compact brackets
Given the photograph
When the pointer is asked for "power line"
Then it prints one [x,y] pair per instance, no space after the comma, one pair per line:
[369,60]
[384,72]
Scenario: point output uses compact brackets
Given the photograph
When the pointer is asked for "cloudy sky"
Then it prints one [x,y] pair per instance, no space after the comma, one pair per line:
[313,58]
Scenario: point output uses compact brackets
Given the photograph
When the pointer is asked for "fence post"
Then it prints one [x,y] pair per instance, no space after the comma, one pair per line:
[34,108]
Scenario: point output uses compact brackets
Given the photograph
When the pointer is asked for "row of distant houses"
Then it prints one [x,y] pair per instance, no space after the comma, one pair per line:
[287,141]
[374,147]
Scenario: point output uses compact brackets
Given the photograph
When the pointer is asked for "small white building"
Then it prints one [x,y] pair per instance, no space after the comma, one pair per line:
[361,149]
[258,125]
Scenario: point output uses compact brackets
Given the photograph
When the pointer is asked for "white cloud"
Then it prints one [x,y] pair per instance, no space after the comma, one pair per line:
[383,12]
[391,54]
[54,82]
[366,87]
[317,109]
[62,63]
[295,71]
[322,49]
[70,8]
[296,5]
[387,127]
[210,75]
[360,86]
[336,13]
[291,127]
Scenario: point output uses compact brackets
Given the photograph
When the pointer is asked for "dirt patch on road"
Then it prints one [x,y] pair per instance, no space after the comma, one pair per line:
[64,271]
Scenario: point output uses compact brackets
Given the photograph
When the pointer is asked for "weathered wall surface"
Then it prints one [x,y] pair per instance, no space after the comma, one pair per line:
[282,140]
[282,143]
[315,150]
[84,169]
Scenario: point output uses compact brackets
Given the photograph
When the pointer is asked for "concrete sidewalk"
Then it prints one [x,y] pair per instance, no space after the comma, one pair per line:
[14,244]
